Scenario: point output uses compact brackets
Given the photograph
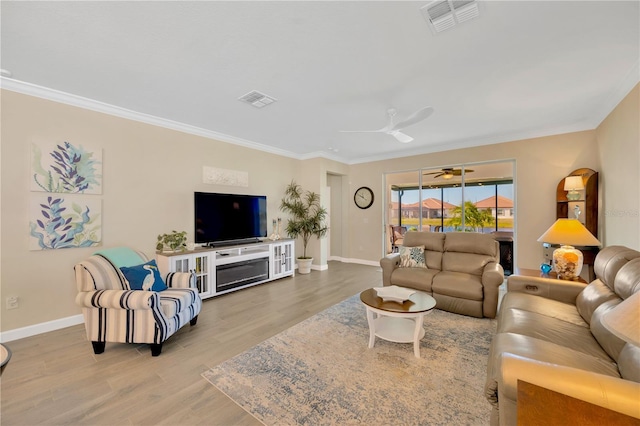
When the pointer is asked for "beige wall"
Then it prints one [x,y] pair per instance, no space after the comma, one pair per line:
[540,164]
[150,174]
[618,139]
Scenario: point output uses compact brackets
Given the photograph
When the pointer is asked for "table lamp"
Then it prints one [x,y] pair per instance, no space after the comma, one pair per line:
[567,260]
[573,184]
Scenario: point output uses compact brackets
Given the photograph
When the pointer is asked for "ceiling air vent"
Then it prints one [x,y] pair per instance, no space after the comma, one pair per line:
[257,99]
[444,14]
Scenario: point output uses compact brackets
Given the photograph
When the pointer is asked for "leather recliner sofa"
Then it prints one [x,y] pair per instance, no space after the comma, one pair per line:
[550,334]
[463,272]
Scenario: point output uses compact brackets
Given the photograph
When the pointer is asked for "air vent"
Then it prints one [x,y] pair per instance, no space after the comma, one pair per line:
[257,99]
[444,14]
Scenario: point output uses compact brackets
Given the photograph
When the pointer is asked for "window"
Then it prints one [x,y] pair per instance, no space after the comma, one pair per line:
[470,197]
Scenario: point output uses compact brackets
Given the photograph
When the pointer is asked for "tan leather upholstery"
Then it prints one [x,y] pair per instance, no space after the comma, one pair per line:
[562,291]
[553,337]
[463,271]
[602,390]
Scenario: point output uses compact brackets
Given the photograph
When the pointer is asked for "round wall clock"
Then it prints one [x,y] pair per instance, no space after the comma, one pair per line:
[363,197]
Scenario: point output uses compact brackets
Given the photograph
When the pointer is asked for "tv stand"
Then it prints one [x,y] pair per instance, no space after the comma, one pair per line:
[233,266]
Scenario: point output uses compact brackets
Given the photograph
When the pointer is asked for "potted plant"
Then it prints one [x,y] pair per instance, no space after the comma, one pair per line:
[174,241]
[307,219]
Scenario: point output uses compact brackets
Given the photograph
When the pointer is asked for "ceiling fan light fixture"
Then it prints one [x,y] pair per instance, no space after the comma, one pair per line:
[447,175]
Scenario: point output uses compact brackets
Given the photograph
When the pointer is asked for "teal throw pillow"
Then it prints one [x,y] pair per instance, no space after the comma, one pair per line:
[144,277]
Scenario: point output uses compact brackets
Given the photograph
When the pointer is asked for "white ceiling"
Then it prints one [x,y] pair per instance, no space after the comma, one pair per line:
[522,69]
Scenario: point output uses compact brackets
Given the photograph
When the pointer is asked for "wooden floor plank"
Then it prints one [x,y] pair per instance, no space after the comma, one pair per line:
[55,378]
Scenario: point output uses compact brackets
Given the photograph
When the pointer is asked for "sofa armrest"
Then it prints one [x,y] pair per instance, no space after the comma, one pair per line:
[389,263]
[118,299]
[180,280]
[492,279]
[492,275]
[610,392]
[549,288]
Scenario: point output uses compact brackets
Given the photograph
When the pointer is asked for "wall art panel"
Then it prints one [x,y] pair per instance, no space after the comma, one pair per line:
[65,168]
[58,222]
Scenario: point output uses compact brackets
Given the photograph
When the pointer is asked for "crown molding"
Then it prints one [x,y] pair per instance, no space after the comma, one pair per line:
[102,107]
[621,91]
[631,79]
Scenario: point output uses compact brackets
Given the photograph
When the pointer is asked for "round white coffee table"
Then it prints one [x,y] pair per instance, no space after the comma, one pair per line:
[395,321]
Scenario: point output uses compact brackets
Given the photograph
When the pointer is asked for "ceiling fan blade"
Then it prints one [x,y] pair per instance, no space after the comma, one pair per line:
[414,118]
[401,137]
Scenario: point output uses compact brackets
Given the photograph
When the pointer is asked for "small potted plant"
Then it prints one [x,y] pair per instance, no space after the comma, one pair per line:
[307,219]
[174,241]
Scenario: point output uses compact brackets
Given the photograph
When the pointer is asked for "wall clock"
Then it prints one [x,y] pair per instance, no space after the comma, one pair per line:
[363,197]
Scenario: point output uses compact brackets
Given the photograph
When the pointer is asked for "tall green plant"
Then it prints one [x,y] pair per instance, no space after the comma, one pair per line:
[474,218]
[307,216]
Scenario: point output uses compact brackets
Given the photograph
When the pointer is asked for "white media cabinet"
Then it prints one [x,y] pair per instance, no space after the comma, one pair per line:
[223,269]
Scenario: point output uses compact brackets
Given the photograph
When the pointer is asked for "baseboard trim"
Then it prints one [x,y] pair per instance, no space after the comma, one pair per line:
[352,260]
[44,327]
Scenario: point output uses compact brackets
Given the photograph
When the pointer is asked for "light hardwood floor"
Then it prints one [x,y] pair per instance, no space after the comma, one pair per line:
[55,378]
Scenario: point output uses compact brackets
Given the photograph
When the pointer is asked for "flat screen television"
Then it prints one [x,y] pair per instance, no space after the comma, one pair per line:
[229,218]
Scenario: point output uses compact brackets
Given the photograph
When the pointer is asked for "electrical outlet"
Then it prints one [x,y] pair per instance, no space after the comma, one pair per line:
[12,302]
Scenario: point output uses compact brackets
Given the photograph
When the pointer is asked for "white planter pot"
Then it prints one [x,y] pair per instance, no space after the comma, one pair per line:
[304,265]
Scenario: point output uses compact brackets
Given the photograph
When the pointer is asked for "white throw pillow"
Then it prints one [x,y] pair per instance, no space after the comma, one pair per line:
[412,257]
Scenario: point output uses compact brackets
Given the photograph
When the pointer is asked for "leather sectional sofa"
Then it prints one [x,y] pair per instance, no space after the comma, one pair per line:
[463,272]
[550,334]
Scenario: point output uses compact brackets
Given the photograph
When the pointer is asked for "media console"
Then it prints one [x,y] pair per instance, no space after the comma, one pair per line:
[220,270]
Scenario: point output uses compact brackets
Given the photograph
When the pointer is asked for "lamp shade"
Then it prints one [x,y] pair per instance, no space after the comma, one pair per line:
[569,232]
[624,319]
[574,183]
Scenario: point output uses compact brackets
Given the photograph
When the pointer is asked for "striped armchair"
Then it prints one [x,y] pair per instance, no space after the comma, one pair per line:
[114,313]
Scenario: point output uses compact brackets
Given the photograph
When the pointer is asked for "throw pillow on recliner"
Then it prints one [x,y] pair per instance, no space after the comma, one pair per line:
[144,277]
[412,257]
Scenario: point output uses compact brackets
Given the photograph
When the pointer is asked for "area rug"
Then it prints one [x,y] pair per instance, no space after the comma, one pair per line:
[321,372]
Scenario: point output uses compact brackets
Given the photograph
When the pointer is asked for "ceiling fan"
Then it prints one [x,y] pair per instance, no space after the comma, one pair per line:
[393,129]
[448,173]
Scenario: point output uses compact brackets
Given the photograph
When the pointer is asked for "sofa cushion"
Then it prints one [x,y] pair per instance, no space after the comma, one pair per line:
[433,241]
[546,351]
[539,350]
[467,263]
[629,362]
[457,284]
[542,327]
[609,261]
[418,278]
[593,295]
[549,307]
[627,281]
[611,343]
[458,305]
[412,257]
[471,242]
